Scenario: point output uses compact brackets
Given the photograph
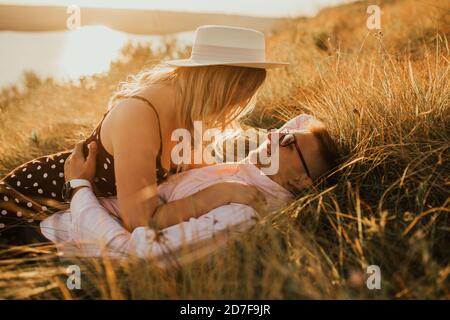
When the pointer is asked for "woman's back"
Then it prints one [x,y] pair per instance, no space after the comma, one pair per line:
[105,181]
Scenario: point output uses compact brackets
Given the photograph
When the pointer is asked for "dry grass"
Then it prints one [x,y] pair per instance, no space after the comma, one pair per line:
[384,95]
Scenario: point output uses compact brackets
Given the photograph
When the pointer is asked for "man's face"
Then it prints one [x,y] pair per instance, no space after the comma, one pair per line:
[292,173]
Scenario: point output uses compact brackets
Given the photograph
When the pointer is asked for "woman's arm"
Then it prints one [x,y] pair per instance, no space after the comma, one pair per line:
[135,142]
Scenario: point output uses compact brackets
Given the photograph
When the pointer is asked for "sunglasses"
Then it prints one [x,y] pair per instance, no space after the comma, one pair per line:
[286,139]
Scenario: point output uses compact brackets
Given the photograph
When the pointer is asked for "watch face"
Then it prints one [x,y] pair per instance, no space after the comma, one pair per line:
[66,190]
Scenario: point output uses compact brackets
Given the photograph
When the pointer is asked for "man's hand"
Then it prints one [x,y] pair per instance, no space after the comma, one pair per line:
[76,167]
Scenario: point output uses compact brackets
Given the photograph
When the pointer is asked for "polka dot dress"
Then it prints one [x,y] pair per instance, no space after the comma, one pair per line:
[27,195]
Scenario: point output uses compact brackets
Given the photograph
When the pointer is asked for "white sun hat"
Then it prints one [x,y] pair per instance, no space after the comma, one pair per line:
[225,45]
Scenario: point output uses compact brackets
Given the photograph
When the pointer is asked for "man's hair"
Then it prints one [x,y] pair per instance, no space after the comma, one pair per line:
[329,152]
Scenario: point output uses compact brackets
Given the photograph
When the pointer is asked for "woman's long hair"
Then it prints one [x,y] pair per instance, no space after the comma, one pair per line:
[216,95]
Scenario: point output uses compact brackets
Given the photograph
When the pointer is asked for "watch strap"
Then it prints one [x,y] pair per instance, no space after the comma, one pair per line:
[75,183]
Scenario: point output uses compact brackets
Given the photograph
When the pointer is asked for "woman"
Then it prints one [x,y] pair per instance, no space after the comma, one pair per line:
[132,143]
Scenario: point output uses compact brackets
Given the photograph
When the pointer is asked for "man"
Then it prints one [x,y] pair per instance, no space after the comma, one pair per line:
[306,153]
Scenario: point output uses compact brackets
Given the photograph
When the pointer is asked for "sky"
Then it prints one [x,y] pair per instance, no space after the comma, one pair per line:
[271,8]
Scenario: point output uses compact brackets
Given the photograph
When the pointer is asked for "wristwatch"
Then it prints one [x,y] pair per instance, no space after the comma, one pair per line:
[68,187]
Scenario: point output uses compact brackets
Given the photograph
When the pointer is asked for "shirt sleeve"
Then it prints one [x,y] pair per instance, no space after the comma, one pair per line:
[93,228]
[95,231]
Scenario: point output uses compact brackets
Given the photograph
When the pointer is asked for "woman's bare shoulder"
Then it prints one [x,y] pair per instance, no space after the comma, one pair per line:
[130,112]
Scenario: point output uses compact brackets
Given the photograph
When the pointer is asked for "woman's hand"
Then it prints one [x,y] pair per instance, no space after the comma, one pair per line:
[77,167]
[239,192]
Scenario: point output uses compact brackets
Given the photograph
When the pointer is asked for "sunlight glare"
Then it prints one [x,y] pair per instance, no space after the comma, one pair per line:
[90,50]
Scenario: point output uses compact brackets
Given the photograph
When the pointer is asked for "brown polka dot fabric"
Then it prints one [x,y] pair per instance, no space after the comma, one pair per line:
[27,195]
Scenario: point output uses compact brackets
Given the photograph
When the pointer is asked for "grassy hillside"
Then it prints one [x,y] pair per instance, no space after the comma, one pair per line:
[385,96]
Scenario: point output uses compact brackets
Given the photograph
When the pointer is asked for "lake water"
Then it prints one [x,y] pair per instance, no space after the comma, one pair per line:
[67,54]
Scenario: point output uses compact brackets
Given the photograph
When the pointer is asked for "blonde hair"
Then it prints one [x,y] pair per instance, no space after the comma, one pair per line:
[217,95]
